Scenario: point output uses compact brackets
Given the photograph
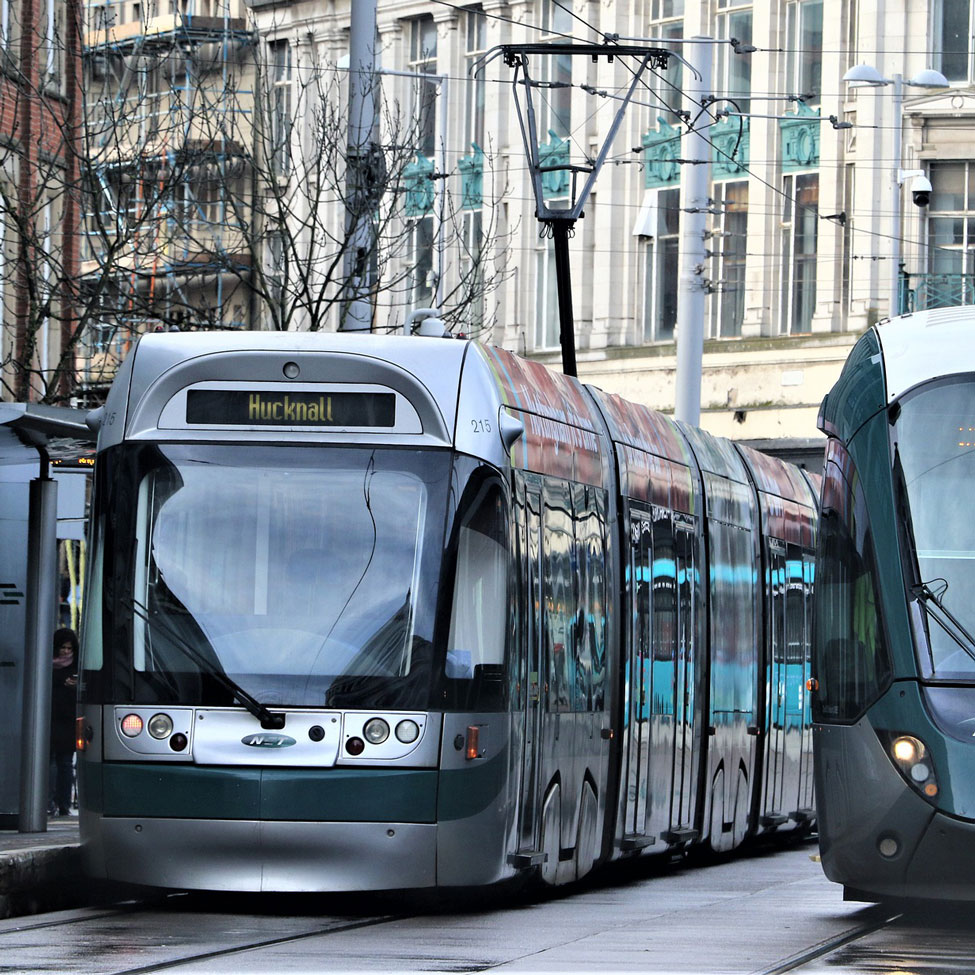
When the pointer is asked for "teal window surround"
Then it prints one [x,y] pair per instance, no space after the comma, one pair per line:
[472,179]
[800,139]
[555,152]
[418,183]
[730,139]
[661,152]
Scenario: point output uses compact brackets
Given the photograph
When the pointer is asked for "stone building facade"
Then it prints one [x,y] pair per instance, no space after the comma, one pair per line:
[812,230]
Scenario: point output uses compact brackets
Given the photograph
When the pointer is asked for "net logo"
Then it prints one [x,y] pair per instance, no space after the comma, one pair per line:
[264,740]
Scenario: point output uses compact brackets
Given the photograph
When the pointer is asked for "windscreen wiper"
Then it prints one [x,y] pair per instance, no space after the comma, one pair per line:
[943,616]
[269,721]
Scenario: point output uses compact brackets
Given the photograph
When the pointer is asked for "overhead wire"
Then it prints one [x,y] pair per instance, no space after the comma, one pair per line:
[747,171]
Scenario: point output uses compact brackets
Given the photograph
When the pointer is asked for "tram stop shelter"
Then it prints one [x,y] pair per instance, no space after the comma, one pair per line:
[40,503]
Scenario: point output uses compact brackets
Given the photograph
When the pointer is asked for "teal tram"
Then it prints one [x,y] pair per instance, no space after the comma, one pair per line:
[894,651]
[397,612]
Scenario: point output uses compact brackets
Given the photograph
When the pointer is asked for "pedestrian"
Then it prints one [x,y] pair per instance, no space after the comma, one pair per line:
[63,704]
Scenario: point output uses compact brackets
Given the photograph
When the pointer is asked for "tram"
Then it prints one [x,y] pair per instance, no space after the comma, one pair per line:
[894,654]
[399,612]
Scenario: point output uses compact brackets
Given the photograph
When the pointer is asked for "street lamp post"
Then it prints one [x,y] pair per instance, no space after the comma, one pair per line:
[865,75]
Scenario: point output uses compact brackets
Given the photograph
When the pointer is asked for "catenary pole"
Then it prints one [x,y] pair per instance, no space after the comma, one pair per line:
[694,206]
[359,191]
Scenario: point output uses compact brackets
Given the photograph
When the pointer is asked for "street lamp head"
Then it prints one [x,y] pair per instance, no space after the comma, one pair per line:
[928,78]
[865,74]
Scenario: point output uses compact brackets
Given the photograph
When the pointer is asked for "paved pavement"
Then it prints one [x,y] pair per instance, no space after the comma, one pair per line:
[42,871]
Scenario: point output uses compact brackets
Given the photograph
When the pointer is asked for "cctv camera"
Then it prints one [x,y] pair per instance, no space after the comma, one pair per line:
[921,191]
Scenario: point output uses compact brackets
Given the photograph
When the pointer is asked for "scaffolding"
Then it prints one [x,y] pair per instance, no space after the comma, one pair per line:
[170,133]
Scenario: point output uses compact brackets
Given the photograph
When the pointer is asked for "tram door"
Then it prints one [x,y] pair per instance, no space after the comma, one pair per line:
[685,759]
[795,678]
[660,779]
[776,676]
[806,802]
[530,670]
[638,679]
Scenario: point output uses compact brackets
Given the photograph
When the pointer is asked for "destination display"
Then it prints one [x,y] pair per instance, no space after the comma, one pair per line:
[242,407]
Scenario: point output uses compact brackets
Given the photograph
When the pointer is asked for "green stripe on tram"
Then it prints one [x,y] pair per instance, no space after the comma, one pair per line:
[315,795]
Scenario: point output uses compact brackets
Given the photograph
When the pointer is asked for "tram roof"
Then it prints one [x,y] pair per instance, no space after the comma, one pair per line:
[775,476]
[157,352]
[926,344]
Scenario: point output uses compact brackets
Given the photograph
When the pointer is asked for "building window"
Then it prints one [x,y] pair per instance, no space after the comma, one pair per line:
[423,62]
[734,71]
[546,297]
[667,22]
[728,299]
[553,106]
[799,226]
[53,43]
[951,31]
[853,33]
[804,50]
[951,218]
[848,198]
[475,45]
[660,270]
[280,57]
[423,283]
[667,9]
[472,274]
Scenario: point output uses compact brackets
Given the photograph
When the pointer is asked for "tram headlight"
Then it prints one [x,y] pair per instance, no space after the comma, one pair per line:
[131,725]
[912,758]
[375,731]
[907,750]
[160,726]
[407,731]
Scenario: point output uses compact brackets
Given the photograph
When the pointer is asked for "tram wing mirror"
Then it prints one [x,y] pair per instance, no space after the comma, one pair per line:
[510,427]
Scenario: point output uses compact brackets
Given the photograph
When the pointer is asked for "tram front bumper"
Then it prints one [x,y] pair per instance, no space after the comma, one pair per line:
[922,854]
[244,855]
[943,863]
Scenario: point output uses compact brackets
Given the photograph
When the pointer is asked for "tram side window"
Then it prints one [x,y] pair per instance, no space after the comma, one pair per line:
[587,556]
[519,615]
[664,626]
[591,620]
[850,657]
[92,645]
[559,591]
[574,595]
[641,609]
[795,609]
[479,617]
[733,599]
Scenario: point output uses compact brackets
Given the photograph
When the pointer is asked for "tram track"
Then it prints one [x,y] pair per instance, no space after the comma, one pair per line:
[87,916]
[205,956]
[879,917]
[335,926]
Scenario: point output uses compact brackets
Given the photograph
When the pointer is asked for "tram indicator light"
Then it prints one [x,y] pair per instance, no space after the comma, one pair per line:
[355,746]
[131,725]
[243,407]
[473,745]
[82,734]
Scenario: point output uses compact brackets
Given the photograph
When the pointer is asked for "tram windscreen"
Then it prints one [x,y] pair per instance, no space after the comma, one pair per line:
[934,434]
[307,576]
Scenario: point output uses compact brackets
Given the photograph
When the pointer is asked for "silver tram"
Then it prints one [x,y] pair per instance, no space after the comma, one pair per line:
[396,612]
